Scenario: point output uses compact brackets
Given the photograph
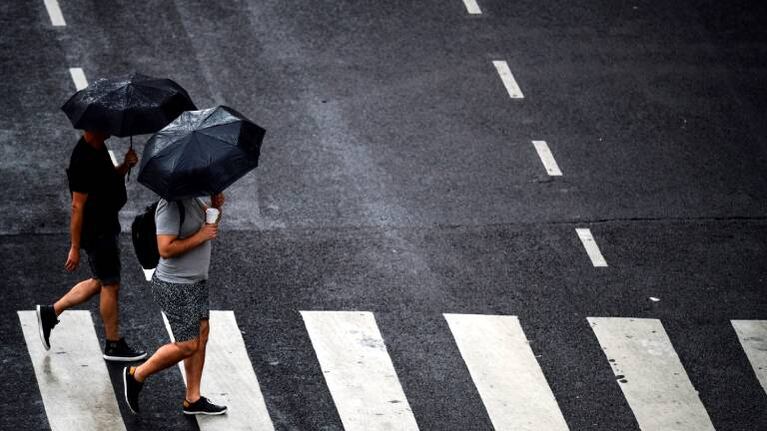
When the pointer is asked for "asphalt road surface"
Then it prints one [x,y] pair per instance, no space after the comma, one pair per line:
[399,178]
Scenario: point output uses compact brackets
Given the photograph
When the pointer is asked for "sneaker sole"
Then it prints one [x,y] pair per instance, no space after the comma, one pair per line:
[125,358]
[125,390]
[204,413]
[47,346]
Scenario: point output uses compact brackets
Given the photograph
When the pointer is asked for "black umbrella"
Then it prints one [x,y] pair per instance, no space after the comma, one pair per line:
[201,153]
[128,106]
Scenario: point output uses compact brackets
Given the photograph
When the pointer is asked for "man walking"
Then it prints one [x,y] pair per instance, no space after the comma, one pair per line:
[98,194]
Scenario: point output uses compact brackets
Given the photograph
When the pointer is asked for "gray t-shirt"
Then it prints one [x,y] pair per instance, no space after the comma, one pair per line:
[193,265]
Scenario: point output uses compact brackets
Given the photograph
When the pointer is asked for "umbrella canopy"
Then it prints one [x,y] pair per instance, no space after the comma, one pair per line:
[201,153]
[129,106]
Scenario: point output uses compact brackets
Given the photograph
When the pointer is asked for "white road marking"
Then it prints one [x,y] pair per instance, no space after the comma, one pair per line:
[753,337]
[78,77]
[504,370]
[508,80]
[358,371]
[544,152]
[591,247]
[650,374]
[148,273]
[54,11]
[228,378]
[472,7]
[73,378]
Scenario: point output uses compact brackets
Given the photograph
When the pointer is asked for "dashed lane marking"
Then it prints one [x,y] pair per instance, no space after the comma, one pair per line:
[544,152]
[54,11]
[508,80]
[649,373]
[591,247]
[504,370]
[472,7]
[753,337]
[229,379]
[72,376]
[358,371]
[78,77]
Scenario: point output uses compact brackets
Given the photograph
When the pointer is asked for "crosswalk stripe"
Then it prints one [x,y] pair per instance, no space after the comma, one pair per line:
[753,337]
[358,371]
[650,374]
[504,370]
[229,379]
[73,379]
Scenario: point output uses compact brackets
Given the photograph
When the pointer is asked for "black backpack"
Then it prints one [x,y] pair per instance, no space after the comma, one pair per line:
[144,235]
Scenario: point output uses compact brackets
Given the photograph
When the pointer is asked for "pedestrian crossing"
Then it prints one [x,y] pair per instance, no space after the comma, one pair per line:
[77,392]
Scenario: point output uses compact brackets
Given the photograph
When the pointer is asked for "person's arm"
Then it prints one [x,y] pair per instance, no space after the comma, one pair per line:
[130,160]
[170,246]
[75,229]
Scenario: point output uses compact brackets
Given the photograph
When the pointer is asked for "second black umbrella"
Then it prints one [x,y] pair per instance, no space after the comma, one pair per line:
[200,153]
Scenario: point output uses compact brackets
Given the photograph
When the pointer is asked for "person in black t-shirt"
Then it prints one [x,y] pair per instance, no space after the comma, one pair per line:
[98,194]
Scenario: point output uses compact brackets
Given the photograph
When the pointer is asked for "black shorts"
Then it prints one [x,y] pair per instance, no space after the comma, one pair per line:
[104,258]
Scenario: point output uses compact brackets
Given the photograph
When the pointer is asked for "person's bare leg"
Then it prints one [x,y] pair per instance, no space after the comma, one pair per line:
[110,311]
[193,365]
[166,356]
[77,295]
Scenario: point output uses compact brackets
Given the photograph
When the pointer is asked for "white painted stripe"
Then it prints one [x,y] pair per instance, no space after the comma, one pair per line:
[112,156]
[472,7]
[504,370]
[358,371]
[544,152]
[228,378]
[508,80]
[73,378]
[650,374]
[753,337]
[148,273]
[78,77]
[591,247]
[54,11]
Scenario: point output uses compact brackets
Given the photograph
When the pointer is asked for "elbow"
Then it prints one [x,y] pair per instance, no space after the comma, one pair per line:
[165,253]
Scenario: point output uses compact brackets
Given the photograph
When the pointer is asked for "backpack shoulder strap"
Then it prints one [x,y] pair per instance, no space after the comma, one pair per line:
[181,214]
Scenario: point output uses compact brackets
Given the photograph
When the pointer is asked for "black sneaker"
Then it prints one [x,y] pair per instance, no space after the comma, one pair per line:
[132,389]
[120,351]
[203,406]
[46,320]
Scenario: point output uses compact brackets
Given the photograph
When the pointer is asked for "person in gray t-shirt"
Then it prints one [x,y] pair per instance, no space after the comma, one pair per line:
[193,265]
[179,288]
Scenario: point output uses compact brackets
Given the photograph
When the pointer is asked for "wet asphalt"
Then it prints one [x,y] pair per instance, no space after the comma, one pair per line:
[398,177]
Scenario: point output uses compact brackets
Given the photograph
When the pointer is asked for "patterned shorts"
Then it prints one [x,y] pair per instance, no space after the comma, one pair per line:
[185,304]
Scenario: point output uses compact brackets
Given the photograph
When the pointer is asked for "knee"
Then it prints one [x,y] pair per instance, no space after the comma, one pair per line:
[188,348]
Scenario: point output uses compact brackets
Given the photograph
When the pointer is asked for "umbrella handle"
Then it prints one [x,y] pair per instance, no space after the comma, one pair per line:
[127,177]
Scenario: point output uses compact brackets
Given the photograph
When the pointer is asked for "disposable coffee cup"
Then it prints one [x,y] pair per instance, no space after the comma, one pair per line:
[211,215]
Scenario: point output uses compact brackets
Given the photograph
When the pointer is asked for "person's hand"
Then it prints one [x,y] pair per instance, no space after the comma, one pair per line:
[208,232]
[131,159]
[73,259]
[217,201]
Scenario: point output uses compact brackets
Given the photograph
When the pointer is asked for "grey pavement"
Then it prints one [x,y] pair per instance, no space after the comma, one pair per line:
[398,177]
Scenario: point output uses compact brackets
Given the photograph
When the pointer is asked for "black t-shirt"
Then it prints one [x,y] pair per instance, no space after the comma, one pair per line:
[91,171]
